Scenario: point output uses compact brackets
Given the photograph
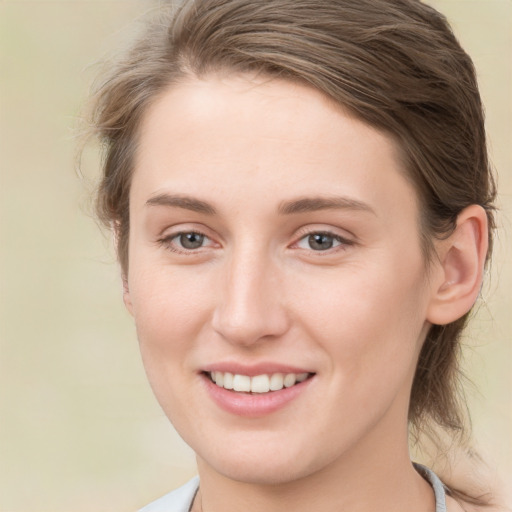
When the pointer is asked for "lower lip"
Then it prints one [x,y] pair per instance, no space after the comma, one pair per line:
[253,404]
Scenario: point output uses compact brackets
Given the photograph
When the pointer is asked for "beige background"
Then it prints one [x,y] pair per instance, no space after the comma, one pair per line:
[80,430]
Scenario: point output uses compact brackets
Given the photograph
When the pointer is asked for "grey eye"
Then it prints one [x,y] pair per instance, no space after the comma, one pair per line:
[320,241]
[191,240]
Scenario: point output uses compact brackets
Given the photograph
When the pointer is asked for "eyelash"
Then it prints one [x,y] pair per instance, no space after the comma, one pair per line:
[169,242]
[343,243]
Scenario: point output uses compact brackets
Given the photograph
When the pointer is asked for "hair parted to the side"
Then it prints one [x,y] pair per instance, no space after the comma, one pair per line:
[393,63]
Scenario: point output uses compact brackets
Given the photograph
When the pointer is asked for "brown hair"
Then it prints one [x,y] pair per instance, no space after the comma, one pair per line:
[393,63]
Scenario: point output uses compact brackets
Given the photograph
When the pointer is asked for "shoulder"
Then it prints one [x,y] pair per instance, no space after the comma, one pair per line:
[178,500]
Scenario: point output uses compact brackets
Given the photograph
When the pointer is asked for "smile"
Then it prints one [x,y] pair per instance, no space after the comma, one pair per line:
[264,383]
[258,394]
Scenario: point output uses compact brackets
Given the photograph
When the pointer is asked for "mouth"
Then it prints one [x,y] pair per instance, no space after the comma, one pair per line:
[258,384]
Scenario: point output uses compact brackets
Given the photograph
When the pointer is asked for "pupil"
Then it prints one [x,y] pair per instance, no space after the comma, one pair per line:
[191,240]
[320,242]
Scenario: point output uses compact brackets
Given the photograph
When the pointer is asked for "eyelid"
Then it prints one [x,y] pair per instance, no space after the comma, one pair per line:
[167,242]
[337,233]
[170,233]
[306,231]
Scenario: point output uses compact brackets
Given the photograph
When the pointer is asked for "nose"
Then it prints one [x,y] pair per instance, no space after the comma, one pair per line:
[250,306]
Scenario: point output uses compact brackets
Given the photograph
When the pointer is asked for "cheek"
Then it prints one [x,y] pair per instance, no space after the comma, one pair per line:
[170,308]
[169,313]
[368,320]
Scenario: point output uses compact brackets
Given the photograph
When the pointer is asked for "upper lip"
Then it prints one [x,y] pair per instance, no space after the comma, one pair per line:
[251,370]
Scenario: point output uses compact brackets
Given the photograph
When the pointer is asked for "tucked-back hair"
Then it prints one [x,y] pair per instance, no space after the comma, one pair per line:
[395,64]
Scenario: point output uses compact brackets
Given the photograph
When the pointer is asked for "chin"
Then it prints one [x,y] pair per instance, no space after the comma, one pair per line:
[264,467]
[260,473]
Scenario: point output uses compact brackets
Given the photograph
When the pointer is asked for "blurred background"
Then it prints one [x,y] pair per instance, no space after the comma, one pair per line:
[79,427]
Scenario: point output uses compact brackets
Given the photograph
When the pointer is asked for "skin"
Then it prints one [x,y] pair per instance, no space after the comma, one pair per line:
[355,315]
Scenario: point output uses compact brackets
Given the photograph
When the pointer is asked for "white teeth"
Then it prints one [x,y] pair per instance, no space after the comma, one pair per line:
[276,382]
[241,383]
[258,384]
[228,380]
[219,379]
[289,380]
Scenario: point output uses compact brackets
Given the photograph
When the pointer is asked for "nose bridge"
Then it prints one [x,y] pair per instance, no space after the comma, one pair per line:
[250,305]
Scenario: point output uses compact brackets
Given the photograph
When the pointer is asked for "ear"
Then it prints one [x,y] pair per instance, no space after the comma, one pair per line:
[126,295]
[461,265]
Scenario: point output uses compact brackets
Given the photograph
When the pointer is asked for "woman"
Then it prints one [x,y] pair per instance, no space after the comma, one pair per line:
[303,209]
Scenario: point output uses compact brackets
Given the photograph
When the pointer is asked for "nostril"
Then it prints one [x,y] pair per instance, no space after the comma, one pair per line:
[244,325]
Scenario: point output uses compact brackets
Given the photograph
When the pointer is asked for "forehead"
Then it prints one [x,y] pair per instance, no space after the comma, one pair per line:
[262,136]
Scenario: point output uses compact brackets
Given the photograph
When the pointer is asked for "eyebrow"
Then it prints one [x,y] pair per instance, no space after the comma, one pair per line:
[312,204]
[301,205]
[180,201]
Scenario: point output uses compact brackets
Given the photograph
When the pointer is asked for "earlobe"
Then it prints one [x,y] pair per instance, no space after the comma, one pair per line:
[461,267]
[126,295]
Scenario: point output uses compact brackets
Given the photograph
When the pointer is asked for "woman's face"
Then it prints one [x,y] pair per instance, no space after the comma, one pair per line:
[273,239]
